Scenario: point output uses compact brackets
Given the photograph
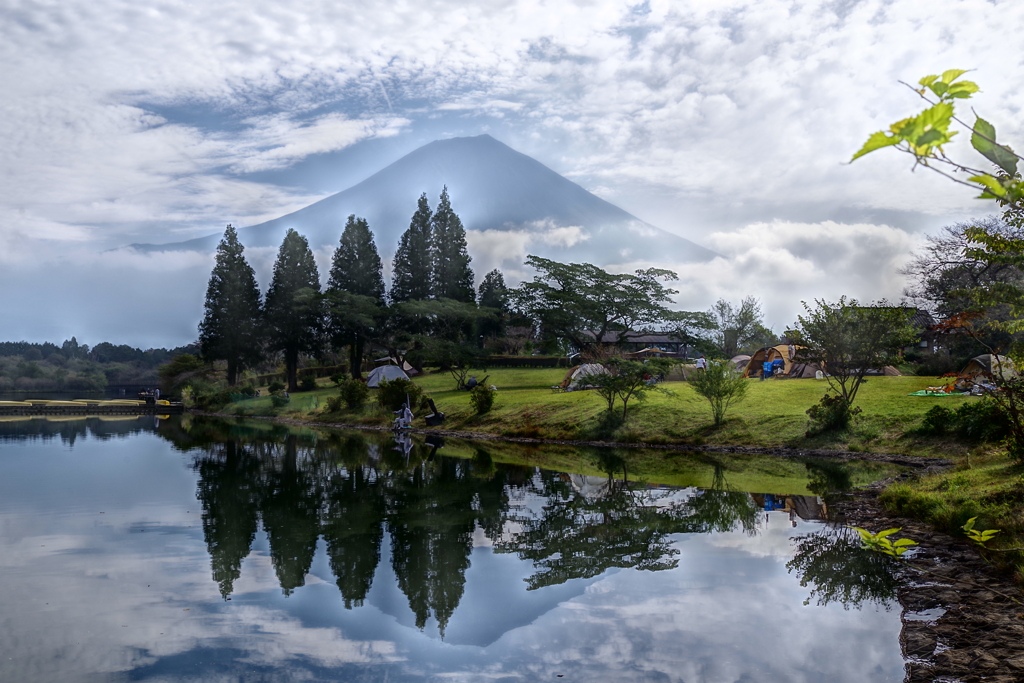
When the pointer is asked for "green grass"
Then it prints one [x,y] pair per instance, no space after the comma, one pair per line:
[772,414]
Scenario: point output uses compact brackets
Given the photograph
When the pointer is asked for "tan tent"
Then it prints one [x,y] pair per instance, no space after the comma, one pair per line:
[988,366]
[785,352]
[740,362]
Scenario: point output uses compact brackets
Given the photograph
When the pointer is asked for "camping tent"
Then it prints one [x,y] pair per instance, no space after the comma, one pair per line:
[388,372]
[409,369]
[740,362]
[783,352]
[576,377]
[988,366]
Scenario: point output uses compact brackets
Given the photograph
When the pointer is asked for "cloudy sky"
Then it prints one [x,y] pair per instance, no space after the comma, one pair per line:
[728,122]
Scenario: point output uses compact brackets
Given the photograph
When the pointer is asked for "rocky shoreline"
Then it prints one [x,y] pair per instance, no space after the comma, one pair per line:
[980,634]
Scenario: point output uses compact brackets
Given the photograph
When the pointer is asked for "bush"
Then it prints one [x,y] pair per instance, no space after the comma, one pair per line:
[333,404]
[482,397]
[338,378]
[279,401]
[831,413]
[392,394]
[307,383]
[213,401]
[354,393]
[720,386]
[980,420]
[276,386]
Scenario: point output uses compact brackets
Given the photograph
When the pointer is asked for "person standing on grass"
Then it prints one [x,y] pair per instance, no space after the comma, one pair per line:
[702,363]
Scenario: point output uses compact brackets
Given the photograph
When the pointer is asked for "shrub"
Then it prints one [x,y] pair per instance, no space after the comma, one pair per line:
[831,413]
[307,383]
[279,401]
[275,386]
[333,404]
[937,420]
[214,400]
[720,386]
[392,394]
[338,378]
[354,393]
[981,420]
[482,397]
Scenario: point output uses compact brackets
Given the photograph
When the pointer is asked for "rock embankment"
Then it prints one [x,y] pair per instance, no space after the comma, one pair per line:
[972,628]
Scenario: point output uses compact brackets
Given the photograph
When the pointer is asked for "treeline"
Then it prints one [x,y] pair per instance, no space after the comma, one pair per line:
[430,309]
[29,366]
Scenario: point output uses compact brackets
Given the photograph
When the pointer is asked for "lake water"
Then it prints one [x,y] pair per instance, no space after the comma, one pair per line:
[201,550]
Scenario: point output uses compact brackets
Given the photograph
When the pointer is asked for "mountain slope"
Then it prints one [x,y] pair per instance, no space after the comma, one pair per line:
[510,204]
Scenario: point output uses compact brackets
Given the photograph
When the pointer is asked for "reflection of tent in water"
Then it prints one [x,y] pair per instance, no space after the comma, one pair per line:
[988,366]
[576,377]
[807,508]
[590,487]
[388,372]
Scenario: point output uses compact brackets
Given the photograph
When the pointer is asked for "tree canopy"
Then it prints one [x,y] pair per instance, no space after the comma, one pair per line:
[293,305]
[452,277]
[411,276]
[230,329]
[570,300]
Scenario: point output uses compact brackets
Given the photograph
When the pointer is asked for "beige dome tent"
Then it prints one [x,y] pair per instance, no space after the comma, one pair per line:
[785,352]
[988,366]
[740,362]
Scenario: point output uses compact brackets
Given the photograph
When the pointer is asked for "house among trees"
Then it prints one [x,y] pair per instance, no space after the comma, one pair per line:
[631,342]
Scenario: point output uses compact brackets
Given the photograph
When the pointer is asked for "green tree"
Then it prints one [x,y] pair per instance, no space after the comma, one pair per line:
[452,278]
[293,305]
[849,340]
[230,329]
[628,380]
[720,385]
[739,328]
[583,304]
[411,273]
[355,271]
[493,297]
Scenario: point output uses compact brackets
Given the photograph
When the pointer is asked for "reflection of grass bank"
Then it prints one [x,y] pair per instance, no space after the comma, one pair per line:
[774,413]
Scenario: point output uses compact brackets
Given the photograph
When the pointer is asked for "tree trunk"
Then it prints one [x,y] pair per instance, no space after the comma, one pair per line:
[232,372]
[355,357]
[291,363]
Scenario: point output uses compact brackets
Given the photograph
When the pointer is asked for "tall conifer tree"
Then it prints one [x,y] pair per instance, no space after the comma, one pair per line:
[411,278]
[293,305]
[452,276]
[230,329]
[494,296]
[355,285]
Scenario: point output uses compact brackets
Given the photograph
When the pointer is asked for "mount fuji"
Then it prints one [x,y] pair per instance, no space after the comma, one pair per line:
[510,204]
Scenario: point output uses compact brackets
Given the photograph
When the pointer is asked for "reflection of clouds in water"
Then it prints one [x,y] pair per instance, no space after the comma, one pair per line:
[131,590]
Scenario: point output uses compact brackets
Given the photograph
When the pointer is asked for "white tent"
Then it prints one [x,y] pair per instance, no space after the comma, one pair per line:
[388,372]
[582,372]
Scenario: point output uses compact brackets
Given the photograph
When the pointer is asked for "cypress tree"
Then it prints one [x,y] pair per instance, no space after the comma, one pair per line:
[230,329]
[293,306]
[411,279]
[355,271]
[452,276]
[494,296]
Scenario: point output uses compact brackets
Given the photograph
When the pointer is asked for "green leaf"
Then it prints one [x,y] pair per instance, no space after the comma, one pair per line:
[903,542]
[939,88]
[888,532]
[928,80]
[963,89]
[993,188]
[877,141]
[969,524]
[983,139]
[951,75]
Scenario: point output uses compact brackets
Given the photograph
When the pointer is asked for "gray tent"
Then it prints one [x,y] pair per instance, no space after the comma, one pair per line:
[388,372]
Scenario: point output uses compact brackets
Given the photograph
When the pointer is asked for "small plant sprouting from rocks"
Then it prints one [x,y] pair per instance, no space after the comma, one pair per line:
[979,537]
[881,543]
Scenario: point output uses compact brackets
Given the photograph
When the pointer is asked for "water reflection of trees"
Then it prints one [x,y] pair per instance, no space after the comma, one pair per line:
[350,489]
[838,570]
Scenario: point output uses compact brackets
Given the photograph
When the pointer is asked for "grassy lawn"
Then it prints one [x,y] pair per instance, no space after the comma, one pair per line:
[772,414]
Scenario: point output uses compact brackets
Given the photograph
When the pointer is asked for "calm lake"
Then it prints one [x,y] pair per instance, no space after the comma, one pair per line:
[204,550]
